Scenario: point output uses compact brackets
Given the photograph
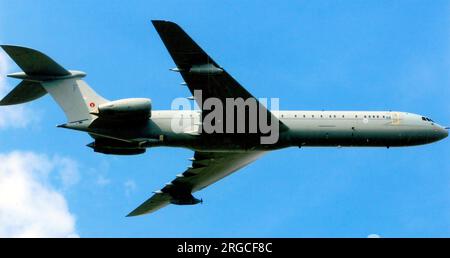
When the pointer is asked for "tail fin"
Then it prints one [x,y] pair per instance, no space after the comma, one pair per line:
[42,75]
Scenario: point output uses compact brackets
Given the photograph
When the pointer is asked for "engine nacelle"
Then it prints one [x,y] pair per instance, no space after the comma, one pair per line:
[185,200]
[119,151]
[135,108]
[113,147]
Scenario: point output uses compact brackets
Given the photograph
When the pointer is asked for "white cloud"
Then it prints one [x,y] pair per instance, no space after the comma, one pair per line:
[373,236]
[29,205]
[68,174]
[130,186]
[11,116]
[103,180]
[101,172]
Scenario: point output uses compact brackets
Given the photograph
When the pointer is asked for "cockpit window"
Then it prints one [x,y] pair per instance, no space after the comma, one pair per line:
[424,119]
[427,119]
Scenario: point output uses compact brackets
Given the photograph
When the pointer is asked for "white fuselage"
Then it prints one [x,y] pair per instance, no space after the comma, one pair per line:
[306,128]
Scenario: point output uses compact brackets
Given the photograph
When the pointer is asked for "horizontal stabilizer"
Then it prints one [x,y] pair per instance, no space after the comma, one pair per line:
[33,62]
[26,91]
[42,75]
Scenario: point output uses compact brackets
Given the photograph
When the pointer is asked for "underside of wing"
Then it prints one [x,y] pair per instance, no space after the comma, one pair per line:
[200,72]
[207,168]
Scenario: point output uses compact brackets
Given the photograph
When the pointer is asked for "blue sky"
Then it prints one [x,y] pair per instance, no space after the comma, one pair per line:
[332,55]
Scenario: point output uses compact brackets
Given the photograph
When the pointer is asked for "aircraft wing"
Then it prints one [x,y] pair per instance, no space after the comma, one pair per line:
[207,168]
[199,70]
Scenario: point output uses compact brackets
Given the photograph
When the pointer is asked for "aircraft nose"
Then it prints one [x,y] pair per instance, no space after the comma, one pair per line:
[442,133]
[445,132]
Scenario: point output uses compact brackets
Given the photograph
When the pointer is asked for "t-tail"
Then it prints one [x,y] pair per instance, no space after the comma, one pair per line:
[42,75]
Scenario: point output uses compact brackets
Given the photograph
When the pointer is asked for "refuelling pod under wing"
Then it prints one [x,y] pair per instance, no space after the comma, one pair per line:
[115,147]
[134,109]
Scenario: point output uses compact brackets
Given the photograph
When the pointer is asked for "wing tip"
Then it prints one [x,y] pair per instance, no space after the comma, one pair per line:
[132,214]
[156,202]
[137,212]
[160,23]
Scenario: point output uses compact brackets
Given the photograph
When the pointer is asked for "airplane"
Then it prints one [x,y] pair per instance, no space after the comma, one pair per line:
[130,126]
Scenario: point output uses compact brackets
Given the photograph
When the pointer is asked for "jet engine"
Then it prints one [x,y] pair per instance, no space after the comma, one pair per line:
[114,147]
[186,200]
[126,109]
